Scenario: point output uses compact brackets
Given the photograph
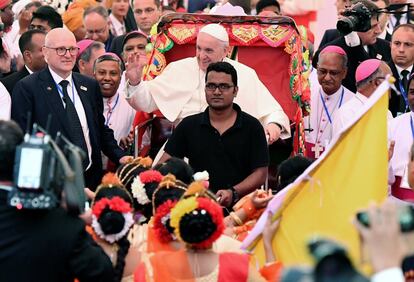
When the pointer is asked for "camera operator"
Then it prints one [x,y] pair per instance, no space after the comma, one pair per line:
[42,245]
[384,242]
[359,45]
[405,16]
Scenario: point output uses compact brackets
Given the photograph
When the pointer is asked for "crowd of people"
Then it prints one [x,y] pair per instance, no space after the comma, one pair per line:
[76,68]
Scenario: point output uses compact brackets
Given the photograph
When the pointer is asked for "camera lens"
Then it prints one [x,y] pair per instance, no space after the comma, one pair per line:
[346,25]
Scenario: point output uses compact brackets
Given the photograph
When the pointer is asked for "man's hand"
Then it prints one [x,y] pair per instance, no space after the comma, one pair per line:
[133,68]
[225,197]
[273,132]
[125,159]
[383,238]
[5,62]
[127,141]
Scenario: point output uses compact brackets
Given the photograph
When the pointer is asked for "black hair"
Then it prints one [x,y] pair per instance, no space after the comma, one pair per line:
[178,167]
[266,3]
[223,67]
[10,136]
[290,169]
[131,35]
[112,222]
[407,25]
[127,172]
[25,41]
[109,57]
[172,193]
[196,226]
[47,13]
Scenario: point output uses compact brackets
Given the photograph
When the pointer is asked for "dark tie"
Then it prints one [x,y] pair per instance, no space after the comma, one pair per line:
[74,123]
[398,19]
[404,82]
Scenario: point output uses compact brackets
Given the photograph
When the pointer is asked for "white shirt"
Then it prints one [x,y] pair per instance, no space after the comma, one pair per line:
[394,274]
[122,115]
[74,96]
[179,92]
[392,21]
[5,103]
[318,120]
[400,69]
[400,131]
[117,28]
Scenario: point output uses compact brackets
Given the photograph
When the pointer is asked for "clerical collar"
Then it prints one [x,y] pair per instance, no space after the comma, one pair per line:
[57,78]
[337,93]
[400,69]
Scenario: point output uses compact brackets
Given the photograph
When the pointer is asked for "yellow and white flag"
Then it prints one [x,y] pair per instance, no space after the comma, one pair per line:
[322,202]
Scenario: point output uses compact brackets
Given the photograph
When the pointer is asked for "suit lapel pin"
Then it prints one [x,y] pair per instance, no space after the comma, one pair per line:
[83,88]
[49,88]
[379,56]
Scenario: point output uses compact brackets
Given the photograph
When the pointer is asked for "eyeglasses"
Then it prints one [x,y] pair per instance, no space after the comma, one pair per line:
[222,86]
[61,51]
[96,31]
[324,72]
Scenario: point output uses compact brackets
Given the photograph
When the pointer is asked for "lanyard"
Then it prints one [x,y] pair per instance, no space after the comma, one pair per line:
[404,94]
[326,108]
[59,88]
[412,125]
[111,110]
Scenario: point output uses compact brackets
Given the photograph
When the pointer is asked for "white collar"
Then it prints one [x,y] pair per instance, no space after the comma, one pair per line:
[28,69]
[57,78]
[400,69]
[362,98]
[337,93]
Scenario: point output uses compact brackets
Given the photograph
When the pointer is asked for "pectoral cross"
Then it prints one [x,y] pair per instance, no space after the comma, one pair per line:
[317,149]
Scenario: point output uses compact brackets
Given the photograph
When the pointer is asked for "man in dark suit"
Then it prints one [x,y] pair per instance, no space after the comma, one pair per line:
[30,44]
[402,53]
[361,46]
[73,101]
[404,15]
[42,245]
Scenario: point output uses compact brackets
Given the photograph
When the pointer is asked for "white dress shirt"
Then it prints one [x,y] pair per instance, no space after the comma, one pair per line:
[74,96]
[320,128]
[117,28]
[5,103]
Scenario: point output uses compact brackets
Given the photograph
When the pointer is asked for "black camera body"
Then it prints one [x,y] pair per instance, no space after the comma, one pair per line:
[332,264]
[405,215]
[42,171]
[357,18]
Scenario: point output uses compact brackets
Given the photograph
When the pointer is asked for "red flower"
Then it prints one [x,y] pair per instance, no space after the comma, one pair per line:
[216,213]
[116,204]
[151,175]
[160,229]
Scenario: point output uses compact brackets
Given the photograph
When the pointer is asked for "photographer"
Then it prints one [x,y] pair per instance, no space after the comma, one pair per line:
[361,45]
[384,242]
[42,245]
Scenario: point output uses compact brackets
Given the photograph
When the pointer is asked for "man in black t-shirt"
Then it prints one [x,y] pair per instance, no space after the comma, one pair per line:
[227,142]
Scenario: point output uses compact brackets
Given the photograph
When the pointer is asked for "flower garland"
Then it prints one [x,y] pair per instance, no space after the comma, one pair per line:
[116,204]
[195,205]
[138,185]
[162,215]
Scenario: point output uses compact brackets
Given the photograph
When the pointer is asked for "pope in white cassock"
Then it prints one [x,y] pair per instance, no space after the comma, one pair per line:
[327,96]
[401,130]
[179,91]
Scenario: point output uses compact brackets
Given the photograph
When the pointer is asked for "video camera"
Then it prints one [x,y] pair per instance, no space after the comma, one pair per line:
[42,171]
[332,264]
[358,17]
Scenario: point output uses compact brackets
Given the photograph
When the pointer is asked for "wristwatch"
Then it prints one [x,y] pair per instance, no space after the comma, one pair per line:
[235,195]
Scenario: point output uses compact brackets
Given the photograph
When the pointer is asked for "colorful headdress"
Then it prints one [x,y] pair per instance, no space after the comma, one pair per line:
[129,170]
[167,184]
[112,215]
[197,219]
[138,185]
